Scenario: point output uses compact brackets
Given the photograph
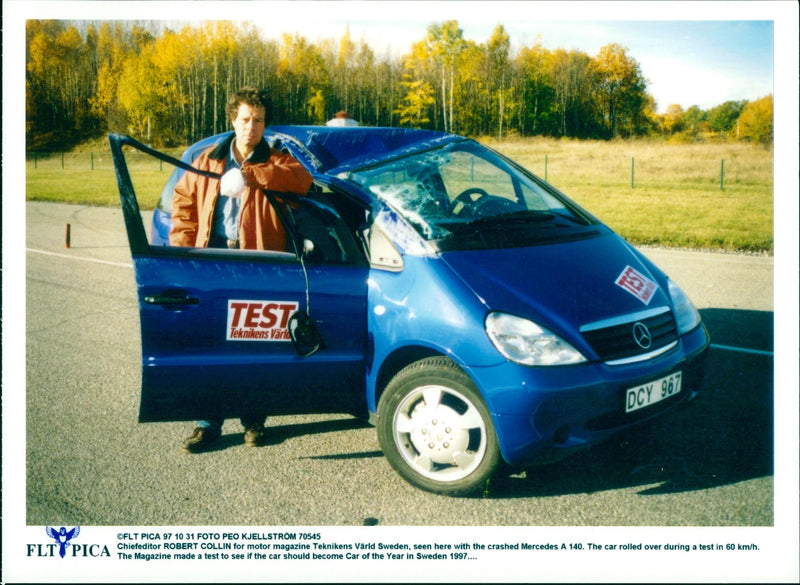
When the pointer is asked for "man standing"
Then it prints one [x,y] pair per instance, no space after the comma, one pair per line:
[234,212]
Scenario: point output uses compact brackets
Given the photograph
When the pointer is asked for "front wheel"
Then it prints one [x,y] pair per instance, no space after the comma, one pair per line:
[435,429]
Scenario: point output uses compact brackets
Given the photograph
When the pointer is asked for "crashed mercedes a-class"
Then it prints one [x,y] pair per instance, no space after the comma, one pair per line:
[467,308]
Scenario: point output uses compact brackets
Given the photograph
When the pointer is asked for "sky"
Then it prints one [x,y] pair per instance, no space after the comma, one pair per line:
[691,58]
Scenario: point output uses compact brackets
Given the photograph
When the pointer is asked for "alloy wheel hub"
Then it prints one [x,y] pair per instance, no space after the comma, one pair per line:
[436,435]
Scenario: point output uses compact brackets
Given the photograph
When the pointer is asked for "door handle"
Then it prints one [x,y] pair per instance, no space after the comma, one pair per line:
[171,301]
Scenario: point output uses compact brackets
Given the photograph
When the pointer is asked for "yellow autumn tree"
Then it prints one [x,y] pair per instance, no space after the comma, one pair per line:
[58,84]
[621,88]
[445,43]
[498,49]
[344,72]
[419,96]
[756,121]
[673,119]
[301,73]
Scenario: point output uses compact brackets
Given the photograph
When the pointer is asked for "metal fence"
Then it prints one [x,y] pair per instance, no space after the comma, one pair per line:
[92,161]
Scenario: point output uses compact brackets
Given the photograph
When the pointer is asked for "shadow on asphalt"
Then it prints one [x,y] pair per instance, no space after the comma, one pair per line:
[722,437]
[278,434]
[745,329]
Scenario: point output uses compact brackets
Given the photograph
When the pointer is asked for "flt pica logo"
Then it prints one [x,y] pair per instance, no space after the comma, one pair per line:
[63,546]
[62,537]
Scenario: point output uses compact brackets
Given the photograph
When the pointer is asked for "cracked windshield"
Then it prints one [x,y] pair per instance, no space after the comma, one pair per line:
[456,195]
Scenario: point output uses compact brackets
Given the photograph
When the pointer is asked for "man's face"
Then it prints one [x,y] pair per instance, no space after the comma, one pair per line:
[249,125]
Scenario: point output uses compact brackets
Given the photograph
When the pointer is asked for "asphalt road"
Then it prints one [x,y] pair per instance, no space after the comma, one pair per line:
[89,462]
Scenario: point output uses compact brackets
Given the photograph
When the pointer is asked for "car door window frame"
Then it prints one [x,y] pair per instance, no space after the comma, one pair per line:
[141,245]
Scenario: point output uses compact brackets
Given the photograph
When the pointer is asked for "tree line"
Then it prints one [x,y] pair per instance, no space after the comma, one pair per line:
[169,86]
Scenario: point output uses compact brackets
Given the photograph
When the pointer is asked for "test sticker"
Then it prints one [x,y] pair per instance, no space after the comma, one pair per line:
[259,320]
[637,284]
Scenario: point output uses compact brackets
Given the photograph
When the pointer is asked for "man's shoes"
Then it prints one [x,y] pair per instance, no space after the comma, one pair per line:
[201,439]
[255,436]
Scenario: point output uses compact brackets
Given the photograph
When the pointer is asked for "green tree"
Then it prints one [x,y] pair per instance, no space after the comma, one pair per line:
[573,80]
[388,78]
[695,119]
[471,97]
[43,106]
[722,118]
[535,87]
[365,75]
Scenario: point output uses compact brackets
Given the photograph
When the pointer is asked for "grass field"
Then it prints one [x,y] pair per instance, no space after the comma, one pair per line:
[683,195]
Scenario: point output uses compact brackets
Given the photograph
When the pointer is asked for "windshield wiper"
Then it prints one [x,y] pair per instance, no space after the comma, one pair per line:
[515,217]
[516,221]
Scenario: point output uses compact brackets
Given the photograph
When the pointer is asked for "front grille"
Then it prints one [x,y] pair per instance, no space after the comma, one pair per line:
[614,340]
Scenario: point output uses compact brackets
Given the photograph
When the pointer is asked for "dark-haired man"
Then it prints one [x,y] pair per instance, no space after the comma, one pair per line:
[234,212]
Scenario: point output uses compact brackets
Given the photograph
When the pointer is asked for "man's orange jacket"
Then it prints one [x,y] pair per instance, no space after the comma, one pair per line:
[259,226]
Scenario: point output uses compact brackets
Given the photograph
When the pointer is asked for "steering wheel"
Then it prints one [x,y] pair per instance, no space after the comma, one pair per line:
[465,198]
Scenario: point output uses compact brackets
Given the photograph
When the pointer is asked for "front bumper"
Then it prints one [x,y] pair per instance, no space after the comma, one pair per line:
[545,414]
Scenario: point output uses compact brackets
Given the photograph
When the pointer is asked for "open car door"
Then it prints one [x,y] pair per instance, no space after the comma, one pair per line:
[215,323]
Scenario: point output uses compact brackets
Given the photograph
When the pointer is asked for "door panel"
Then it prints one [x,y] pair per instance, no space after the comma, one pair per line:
[227,348]
[213,327]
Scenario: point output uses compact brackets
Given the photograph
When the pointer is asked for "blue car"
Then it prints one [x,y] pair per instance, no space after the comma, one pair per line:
[469,310]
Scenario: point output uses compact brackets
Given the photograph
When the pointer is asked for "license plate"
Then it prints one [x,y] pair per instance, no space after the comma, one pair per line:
[652,392]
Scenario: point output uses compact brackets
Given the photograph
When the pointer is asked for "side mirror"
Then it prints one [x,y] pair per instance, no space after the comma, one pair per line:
[304,333]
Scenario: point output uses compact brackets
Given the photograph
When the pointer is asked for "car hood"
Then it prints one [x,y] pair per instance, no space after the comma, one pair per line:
[560,286]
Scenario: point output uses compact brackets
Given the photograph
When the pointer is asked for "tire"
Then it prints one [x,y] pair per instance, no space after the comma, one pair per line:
[435,429]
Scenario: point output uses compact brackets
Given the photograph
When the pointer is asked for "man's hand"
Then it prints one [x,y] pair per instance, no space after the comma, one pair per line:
[232,184]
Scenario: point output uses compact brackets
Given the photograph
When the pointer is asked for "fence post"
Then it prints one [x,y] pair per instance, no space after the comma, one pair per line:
[722,175]
[62,160]
[35,160]
[91,157]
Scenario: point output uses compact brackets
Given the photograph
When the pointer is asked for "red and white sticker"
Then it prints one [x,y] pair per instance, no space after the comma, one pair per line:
[637,284]
[259,320]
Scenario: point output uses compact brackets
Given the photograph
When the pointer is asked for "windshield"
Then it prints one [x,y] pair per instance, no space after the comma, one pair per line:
[464,196]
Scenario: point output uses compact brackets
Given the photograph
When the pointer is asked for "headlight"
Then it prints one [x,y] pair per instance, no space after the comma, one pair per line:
[526,343]
[686,316]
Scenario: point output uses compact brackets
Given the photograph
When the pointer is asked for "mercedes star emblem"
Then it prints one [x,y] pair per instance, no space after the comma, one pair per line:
[641,335]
